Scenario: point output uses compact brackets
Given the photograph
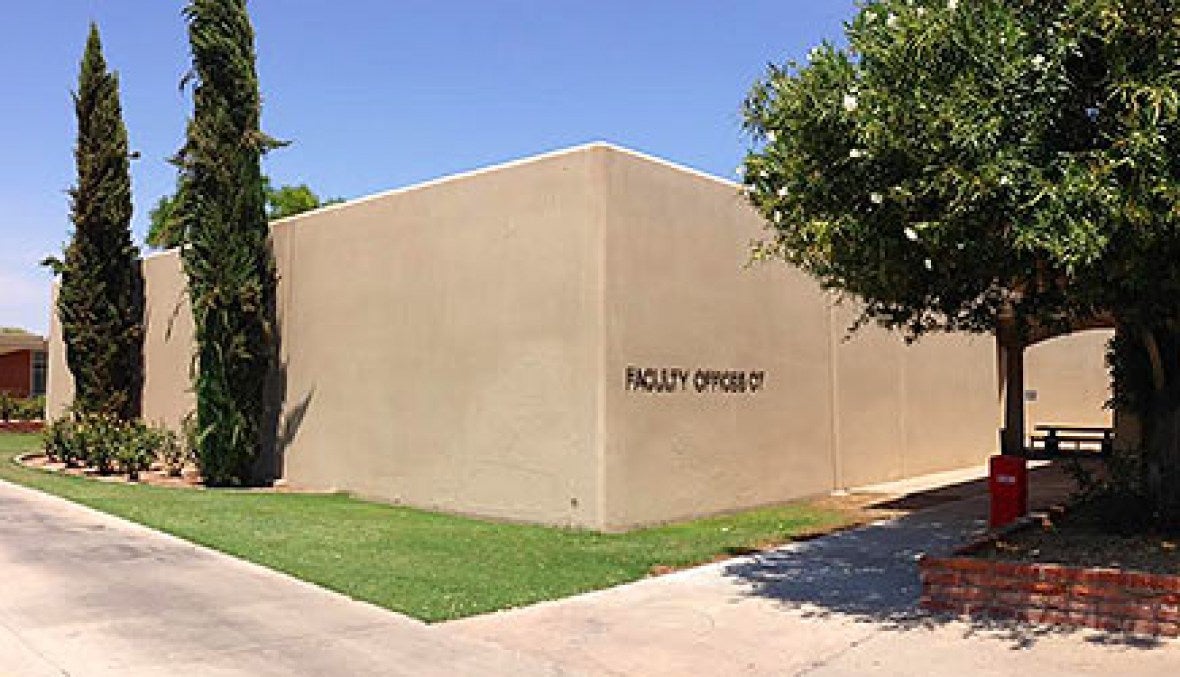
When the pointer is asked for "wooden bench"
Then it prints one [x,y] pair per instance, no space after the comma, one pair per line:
[1062,441]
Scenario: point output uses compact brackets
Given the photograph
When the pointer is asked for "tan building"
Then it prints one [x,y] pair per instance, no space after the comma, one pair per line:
[577,339]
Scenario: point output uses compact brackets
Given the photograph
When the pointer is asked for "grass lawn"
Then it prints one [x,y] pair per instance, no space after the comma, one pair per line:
[431,566]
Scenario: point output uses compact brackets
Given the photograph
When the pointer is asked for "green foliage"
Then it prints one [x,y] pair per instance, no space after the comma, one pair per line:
[960,156]
[57,439]
[166,223]
[100,300]
[1118,494]
[21,408]
[172,453]
[286,201]
[230,272]
[139,447]
[106,443]
[97,439]
[962,161]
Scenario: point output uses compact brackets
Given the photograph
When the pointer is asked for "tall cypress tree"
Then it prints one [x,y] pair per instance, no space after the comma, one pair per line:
[100,301]
[227,259]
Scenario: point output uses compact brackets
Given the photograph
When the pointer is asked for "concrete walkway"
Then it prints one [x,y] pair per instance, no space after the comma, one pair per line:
[85,594]
[841,605]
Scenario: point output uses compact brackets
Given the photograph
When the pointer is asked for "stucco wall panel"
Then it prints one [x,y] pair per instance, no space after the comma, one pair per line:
[168,342]
[60,384]
[1070,379]
[952,403]
[445,343]
[678,293]
[870,402]
[904,410]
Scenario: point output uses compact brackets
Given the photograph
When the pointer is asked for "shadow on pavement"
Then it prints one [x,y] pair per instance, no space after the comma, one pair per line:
[870,574]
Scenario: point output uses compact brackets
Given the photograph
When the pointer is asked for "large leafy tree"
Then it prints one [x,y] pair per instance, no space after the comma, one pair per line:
[100,301]
[166,222]
[292,200]
[1004,166]
[227,259]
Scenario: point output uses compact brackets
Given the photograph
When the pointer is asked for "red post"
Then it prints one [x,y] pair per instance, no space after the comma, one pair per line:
[1008,486]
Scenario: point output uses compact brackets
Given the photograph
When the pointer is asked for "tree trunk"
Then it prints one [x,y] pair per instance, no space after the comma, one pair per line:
[1012,435]
[1012,366]
[1160,417]
[1163,465]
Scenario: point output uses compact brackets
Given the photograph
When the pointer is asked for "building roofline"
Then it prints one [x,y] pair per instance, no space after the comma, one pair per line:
[519,162]
[459,176]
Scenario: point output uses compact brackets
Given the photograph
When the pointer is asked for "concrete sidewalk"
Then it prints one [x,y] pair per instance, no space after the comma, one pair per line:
[86,594]
[840,605]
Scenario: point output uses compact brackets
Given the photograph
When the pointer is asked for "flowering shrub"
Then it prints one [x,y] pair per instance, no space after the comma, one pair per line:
[21,408]
[172,453]
[58,440]
[98,438]
[106,444]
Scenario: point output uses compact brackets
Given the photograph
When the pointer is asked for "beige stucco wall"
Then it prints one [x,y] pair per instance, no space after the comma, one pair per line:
[168,342]
[678,294]
[59,387]
[904,410]
[838,410]
[463,345]
[442,343]
[1067,380]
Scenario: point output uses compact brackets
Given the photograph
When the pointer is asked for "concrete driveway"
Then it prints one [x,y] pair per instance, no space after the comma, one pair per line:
[840,605]
[85,594]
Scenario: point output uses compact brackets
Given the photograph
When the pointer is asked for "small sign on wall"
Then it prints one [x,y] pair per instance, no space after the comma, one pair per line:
[1030,396]
[702,381]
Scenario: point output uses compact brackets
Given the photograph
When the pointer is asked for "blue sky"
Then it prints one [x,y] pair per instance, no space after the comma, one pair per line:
[376,94]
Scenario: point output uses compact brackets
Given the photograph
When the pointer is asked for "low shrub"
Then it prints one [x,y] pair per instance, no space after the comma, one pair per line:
[21,408]
[31,409]
[99,438]
[105,443]
[137,449]
[1118,494]
[171,452]
[58,441]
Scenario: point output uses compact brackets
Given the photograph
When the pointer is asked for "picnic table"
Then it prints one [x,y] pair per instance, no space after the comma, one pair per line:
[1059,441]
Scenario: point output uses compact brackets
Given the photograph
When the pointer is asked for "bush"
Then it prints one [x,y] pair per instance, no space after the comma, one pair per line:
[99,437]
[58,440]
[137,449]
[1118,495]
[31,409]
[20,408]
[172,454]
[104,443]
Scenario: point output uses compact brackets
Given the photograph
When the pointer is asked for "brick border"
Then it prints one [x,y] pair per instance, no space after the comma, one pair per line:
[1051,594]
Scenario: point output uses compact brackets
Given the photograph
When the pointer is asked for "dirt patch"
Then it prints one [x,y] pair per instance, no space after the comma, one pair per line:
[863,508]
[1079,538]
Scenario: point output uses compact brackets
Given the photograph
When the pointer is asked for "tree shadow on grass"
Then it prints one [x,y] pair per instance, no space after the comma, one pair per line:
[870,575]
